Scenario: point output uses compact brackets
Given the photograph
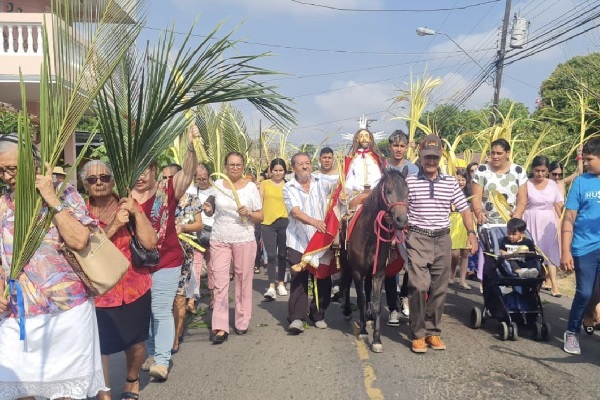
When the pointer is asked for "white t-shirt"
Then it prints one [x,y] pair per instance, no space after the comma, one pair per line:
[228,226]
[507,184]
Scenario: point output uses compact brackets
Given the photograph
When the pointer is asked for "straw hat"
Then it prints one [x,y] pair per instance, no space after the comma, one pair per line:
[59,171]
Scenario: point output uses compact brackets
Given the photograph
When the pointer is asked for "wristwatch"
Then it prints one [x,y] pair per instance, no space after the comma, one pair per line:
[471,231]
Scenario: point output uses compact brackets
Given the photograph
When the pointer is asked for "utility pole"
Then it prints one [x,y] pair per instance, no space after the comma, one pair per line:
[500,61]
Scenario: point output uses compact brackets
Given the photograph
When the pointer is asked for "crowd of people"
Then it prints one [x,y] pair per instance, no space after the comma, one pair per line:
[232,221]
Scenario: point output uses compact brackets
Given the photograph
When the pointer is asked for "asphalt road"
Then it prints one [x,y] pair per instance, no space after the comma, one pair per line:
[267,363]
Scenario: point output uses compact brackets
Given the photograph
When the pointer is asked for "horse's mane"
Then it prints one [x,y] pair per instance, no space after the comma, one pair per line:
[374,203]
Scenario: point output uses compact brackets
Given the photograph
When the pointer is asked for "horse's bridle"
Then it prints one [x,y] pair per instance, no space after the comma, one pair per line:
[379,225]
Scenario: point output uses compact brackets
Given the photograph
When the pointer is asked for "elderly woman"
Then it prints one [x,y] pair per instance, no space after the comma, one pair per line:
[159,201]
[124,311]
[60,355]
[499,174]
[232,240]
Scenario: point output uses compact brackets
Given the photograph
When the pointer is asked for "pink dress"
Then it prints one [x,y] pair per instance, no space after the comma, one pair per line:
[541,219]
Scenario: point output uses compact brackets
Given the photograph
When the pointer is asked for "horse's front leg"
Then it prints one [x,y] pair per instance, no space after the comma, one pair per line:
[360,300]
[376,346]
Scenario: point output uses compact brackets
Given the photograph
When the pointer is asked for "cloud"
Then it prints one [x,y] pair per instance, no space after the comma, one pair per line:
[286,6]
[354,99]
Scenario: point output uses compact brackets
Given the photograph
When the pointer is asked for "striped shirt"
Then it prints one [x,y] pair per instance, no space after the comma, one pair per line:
[312,203]
[429,201]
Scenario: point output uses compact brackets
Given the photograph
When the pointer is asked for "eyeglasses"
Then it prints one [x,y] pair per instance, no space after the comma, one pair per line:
[93,179]
[202,179]
[165,177]
[557,174]
[237,166]
[11,170]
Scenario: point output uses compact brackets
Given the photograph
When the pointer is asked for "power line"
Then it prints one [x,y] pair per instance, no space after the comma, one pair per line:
[393,10]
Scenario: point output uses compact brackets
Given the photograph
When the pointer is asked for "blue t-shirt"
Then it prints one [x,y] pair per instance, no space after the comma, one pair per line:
[584,197]
[412,168]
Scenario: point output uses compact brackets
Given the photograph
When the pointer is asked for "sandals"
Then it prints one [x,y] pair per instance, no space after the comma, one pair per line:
[256,270]
[589,329]
[131,395]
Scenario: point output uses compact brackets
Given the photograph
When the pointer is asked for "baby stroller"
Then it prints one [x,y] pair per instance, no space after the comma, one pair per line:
[512,300]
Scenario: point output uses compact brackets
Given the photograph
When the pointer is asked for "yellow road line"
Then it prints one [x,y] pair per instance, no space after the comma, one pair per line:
[368,371]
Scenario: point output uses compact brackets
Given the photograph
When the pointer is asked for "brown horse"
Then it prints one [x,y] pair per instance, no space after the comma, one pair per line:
[365,252]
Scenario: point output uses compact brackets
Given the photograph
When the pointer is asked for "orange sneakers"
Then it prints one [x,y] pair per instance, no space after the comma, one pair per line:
[435,342]
[419,346]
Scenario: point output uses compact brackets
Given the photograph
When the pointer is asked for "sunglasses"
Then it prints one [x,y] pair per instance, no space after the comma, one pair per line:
[93,179]
[557,174]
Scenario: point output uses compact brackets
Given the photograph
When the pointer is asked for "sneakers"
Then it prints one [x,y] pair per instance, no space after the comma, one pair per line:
[435,342]
[296,327]
[270,294]
[394,319]
[321,324]
[528,273]
[419,346]
[148,364]
[281,291]
[405,309]
[571,345]
[159,371]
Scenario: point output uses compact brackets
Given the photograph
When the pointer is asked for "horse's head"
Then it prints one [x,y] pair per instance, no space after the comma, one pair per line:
[394,193]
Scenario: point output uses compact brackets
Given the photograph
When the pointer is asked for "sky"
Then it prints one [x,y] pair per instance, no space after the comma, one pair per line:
[338,65]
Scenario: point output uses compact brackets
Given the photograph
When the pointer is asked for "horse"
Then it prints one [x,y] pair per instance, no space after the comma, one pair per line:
[366,250]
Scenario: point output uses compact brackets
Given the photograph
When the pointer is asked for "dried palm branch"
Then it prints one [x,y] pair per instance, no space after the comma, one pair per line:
[78,58]
[500,204]
[143,107]
[417,96]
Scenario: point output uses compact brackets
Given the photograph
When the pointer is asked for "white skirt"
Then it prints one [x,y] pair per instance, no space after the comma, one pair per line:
[60,356]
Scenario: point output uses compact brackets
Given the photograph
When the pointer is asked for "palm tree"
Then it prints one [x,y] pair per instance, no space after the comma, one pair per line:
[145,105]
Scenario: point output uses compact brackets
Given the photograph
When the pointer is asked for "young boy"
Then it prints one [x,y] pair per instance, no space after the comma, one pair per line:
[516,242]
[581,240]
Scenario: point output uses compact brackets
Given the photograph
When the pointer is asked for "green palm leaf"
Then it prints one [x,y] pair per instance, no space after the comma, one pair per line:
[78,59]
[142,109]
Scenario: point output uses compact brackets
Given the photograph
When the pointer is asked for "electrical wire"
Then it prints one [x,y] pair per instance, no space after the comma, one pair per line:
[305,3]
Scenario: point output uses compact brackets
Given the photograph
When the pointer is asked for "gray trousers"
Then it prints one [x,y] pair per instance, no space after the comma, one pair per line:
[429,271]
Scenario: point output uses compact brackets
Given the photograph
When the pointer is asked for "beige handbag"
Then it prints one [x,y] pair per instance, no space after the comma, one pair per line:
[100,266]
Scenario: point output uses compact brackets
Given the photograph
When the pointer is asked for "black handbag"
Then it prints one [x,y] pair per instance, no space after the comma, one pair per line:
[204,236]
[141,257]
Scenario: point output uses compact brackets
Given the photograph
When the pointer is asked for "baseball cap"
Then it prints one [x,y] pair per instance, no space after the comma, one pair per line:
[431,145]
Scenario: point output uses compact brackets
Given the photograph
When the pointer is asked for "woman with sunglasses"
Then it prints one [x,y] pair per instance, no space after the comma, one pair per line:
[544,207]
[59,356]
[557,172]
[123,312]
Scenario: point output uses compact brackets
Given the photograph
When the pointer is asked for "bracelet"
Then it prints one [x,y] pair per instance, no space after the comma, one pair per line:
[471,231]
[579,158]
[191,148]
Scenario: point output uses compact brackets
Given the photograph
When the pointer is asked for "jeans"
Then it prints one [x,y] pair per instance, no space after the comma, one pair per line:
[162,324]
[274,243]
[587,272]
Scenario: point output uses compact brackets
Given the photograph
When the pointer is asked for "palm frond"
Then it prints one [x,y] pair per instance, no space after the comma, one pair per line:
[143,108]
[78,59]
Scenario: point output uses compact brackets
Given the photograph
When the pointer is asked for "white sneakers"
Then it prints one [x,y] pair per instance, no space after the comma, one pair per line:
[405,310]
[271,294]
[281,291]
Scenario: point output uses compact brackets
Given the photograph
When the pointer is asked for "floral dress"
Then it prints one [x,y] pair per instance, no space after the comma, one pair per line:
[189,205]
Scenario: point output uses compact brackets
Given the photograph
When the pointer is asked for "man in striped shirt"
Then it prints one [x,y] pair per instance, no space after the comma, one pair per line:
[428,243]
[305,196]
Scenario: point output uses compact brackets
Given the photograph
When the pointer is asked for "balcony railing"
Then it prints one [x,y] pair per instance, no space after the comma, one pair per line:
[21,39]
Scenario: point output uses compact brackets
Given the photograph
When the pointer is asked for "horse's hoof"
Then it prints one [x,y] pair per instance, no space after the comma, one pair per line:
[377,348]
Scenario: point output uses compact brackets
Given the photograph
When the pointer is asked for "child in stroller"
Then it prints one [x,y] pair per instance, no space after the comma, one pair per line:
[509,296]
[516,243]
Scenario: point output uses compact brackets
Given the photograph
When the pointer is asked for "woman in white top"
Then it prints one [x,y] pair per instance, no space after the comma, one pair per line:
[232,240]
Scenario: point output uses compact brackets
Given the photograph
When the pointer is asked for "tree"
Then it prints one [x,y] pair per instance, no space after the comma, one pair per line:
[559,104]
